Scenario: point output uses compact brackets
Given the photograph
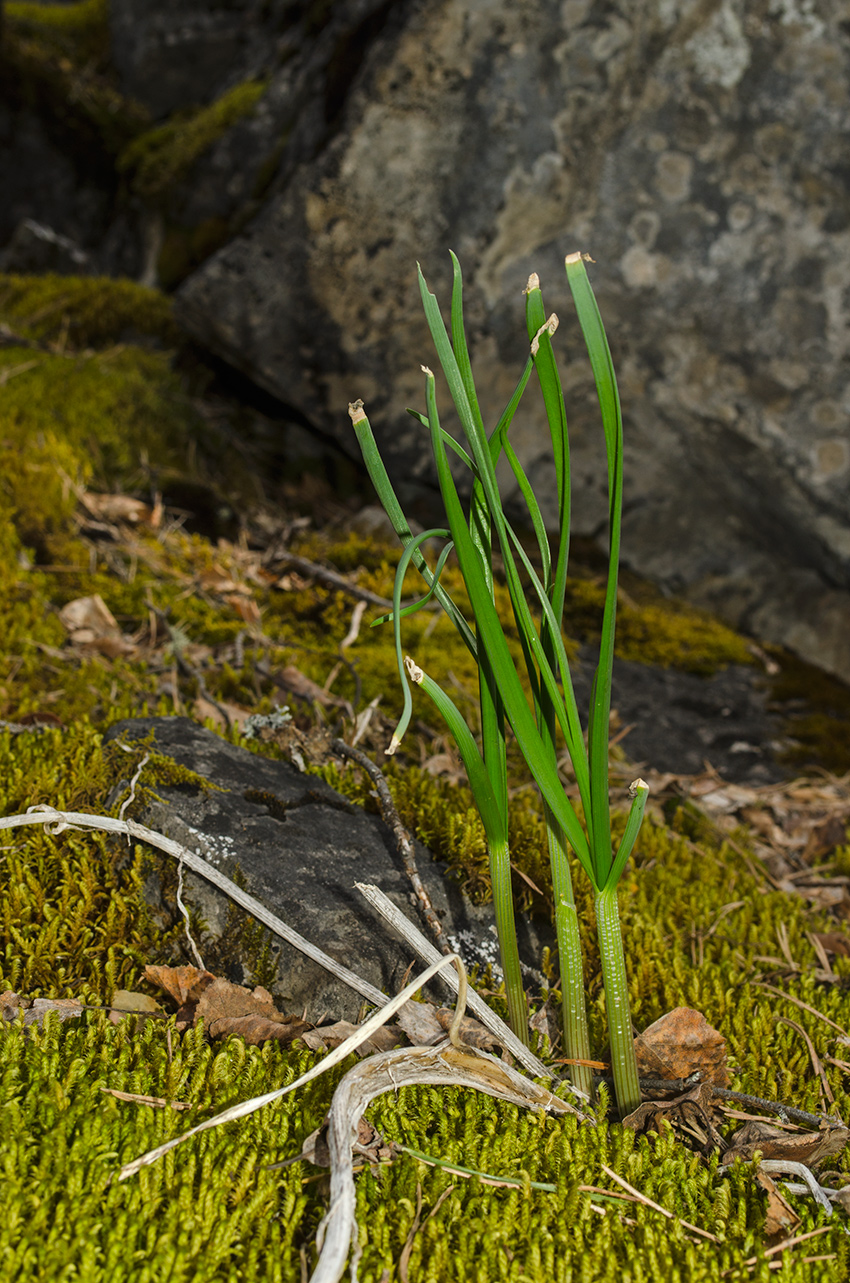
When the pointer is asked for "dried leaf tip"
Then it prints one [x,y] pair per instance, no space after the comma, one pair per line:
[548,327]
[577,258]
[638,786]
[426,371]
[414,672]
[393,746]
[356,412]
[533,283]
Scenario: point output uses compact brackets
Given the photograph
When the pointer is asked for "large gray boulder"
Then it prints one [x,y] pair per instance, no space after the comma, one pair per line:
[697,151]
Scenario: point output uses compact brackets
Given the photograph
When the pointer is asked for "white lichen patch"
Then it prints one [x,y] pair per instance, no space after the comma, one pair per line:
[720,50]
[214,849]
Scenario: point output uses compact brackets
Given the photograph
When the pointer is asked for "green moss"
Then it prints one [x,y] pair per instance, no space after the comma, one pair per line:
[668,633]
[73,920]
[816,707]
[185,248]
[79,30]
[157,159]
[213,1212]
[85,311]
[72,413]
[72,916]
[68,420]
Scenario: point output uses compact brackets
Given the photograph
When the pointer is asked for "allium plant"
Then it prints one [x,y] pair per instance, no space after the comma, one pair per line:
[543,712]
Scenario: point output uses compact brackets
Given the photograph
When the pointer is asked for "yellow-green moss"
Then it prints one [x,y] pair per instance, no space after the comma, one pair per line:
[71,414]
[85,311]
[670,633]
[817,713]
[75,923]
[161,156]
[79,30]
[185,248]
[67,420]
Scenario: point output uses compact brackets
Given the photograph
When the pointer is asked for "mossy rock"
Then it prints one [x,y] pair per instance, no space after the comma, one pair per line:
[78,31]
[54,59]
[159,158]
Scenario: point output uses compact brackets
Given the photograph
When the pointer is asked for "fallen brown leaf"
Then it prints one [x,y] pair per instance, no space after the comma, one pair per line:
[223,1000]
[780,1217]
[183,984]
[119,507]
[35,1009]
[419,1021]
[304,687]
[256,1029]
[679,1044]
[809,1148]
[91,624]
[835,942]
[472,1032]
[384,1039]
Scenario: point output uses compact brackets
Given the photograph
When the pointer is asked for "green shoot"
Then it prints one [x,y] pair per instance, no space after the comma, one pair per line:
[553,712]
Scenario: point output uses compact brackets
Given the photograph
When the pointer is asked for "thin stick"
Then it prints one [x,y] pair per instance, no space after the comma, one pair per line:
[334,579]
[801,1116]
[804,1006]
[826,1090]
[392,819]
[335,1057]
[695,1229]
[418,1223]
[780,1247]
[387,1071]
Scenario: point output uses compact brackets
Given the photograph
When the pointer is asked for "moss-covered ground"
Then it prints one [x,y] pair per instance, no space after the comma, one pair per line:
[96,404]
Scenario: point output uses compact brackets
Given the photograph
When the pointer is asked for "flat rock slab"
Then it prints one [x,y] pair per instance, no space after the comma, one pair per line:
[682,722]
[300,847]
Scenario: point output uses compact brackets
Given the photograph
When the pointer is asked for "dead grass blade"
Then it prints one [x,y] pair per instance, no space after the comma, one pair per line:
[647,1202]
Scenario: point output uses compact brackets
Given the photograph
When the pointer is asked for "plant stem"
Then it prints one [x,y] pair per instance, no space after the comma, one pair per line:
[503,903]
[623,1059]
[573,1006]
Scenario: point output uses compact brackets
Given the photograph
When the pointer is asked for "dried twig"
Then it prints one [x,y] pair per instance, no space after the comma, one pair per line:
[418,1223]
[780,1247]
[648,1202]
[804,1006]
[784,1112]
[191,670]
[157,1102]
[333,578]
[449,1064]
[392,819]
[826,1090]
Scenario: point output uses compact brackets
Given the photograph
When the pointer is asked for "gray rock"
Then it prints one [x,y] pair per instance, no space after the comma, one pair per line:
[176,54]
[301,847]
[698,152]
[182,54]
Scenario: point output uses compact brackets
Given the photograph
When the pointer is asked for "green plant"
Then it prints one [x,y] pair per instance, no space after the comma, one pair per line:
[503,699]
